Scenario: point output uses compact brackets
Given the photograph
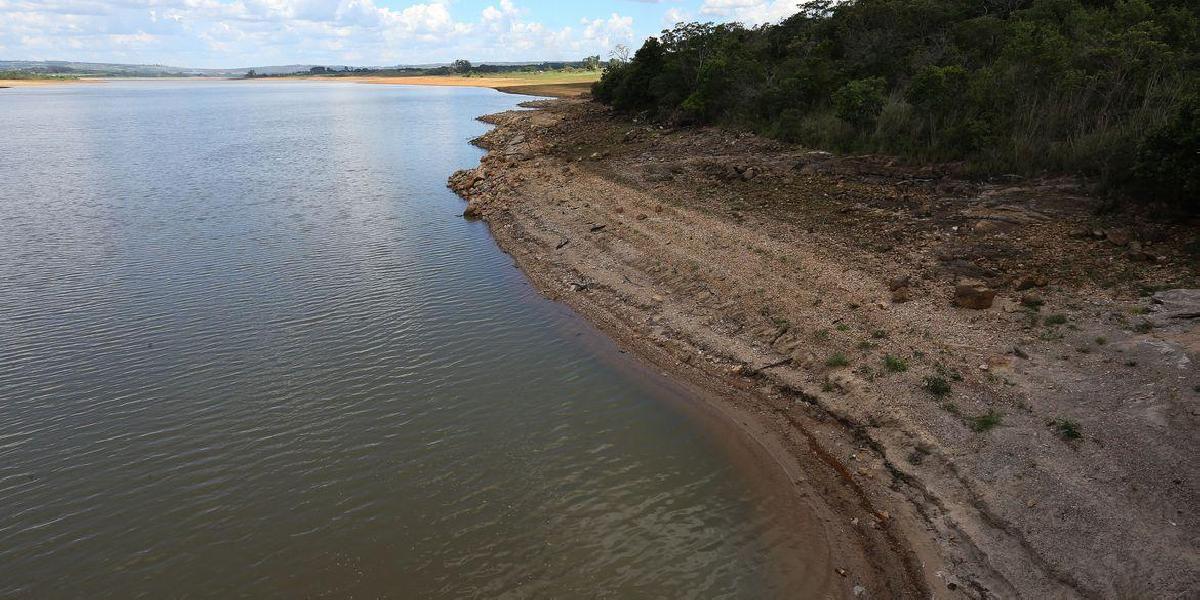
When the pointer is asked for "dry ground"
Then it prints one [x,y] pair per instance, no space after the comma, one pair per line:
[1047,445]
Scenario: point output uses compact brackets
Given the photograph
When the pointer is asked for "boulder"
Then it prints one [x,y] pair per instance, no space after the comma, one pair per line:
[902,281]
[1176,305]
[974,294]
[473,211]
[1118,237]
[1030,281]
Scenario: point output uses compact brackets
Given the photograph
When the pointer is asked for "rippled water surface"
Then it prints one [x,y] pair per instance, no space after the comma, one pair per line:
[248,348]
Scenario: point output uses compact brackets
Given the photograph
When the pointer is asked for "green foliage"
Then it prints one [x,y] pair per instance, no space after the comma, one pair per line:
[1066,429]
[860,101]
[987,421]
[936,385]
[1055,319]
[32,76]
[1106,87]
[895,364]
[837,360]
[1168,159]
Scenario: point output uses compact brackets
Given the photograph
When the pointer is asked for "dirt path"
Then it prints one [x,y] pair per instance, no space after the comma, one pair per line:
[1044,447]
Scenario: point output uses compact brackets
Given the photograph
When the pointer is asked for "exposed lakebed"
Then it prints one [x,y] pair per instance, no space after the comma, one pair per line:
[248,348]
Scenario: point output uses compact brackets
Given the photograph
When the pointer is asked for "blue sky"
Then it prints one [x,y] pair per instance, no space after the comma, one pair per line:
[233,33]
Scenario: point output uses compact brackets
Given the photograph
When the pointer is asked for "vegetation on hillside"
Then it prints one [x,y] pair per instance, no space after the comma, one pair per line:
[1109,88]
[31,76]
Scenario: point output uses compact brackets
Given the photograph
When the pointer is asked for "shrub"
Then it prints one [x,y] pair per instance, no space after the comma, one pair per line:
[1066,429]
[860,101]
[1105,88]
[895,364]
[986,422]
[936,385]
[837,360]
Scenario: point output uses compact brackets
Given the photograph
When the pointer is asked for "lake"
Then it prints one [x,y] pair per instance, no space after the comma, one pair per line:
[249,348]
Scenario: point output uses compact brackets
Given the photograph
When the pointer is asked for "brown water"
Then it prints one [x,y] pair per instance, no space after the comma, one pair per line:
[248,348]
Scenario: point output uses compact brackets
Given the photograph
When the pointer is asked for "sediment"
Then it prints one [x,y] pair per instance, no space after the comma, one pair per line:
[989,387]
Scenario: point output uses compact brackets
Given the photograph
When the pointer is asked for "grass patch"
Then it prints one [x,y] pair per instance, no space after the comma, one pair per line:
[936,385]
[895,364]
[837,360]
[1066,429]
[987,421]
[1055,319]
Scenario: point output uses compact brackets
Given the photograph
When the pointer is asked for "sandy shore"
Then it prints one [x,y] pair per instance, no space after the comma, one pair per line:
[1043,446]
[556,86]
[15,83]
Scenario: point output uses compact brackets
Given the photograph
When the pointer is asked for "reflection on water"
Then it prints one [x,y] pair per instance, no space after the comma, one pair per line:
[247,348]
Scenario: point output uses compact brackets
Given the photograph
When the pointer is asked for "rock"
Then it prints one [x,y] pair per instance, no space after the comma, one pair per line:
[985,226]
[902,281]
[1176,305]
[1137,253]
[900,295]
[974,294]
[1030,281]
[473,211]
[1032,300]
[1118,237]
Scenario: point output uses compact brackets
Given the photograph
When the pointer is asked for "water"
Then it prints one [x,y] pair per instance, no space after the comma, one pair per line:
[247,348]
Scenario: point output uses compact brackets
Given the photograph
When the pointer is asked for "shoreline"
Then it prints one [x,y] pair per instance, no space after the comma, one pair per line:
[525,86]
[553,87]
[18,83]
[602,214]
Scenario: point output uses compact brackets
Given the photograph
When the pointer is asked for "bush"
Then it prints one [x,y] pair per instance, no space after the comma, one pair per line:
[1168,158]
[895,364]
[938,386]
[859,102]
[1104,88]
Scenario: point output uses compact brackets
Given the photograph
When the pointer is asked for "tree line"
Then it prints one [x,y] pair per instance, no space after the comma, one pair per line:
[1109,88]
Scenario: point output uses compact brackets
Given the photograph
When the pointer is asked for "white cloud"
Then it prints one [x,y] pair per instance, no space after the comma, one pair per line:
[749,11]
[258,32]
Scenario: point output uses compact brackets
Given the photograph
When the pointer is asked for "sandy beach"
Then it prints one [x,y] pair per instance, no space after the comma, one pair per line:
[557,85]
[1001,376]
[16,83]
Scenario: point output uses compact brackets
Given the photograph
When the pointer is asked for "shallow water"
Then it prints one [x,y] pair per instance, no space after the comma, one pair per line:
[248,348]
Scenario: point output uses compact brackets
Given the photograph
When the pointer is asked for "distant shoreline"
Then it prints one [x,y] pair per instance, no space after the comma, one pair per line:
[545,85]
[551,85]
[16,83]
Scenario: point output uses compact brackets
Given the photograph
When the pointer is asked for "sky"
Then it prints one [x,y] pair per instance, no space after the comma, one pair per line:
[244,33]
